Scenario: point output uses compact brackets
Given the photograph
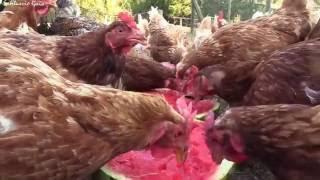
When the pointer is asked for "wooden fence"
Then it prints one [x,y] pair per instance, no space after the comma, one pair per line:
[183,21]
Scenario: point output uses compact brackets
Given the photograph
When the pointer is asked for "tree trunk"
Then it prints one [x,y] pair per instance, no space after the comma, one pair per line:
[268,5]
[192,16]
[198,9]
[229,10]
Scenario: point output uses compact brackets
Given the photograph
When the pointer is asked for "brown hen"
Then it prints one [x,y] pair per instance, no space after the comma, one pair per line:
[247,43]
[284,137]
[17,13]
[52,128]
[226,81]
[284,77]
[95,57]
[167,42]
[144,75]
[203,31]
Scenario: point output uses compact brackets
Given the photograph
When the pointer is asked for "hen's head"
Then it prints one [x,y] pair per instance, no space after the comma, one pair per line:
[223,139]
[42,7]
[189,59]
[123,34]
[192,85]
[213,75]
[176,135]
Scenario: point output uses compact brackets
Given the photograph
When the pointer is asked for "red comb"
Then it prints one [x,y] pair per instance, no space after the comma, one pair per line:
[127,18]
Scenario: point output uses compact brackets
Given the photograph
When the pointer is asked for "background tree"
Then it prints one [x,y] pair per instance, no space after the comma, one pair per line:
[180,8]
[143,6]
[106,9]
[94,8]
[244,8]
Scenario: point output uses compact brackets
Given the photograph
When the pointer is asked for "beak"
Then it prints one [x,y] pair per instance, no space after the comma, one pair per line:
[181,154]
[137,37]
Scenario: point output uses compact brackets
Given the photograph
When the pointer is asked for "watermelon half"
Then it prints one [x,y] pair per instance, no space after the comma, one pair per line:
[141,165]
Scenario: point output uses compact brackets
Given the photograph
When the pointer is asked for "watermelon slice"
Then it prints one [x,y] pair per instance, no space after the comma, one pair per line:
[141,165]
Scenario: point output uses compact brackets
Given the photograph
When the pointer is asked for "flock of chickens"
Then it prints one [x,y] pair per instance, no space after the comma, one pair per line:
[69,104]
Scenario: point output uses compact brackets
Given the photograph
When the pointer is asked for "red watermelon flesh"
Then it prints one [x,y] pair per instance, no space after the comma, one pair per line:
[172,96]
[141,165]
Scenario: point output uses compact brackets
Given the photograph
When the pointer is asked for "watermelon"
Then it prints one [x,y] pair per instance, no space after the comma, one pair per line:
[141,165]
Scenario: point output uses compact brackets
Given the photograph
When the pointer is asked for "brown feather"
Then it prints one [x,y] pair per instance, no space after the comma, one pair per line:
[85,58]
[284,137]
[250,40]
[52,128]
[21,11]
[226,81]
[283,77]
[247,43]
[144,75]
[168,42]
[315,33]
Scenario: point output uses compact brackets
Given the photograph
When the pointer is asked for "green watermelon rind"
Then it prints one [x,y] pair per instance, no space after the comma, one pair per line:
[114,174]
[201,117]
[220,174]
[223,170]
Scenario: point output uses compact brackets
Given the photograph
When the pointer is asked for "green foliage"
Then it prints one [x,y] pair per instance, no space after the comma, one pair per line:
[169,7]
[103,10]
[143,6]
[93,8]
[211,7]
[244,8]
[180,8]
[140,6]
